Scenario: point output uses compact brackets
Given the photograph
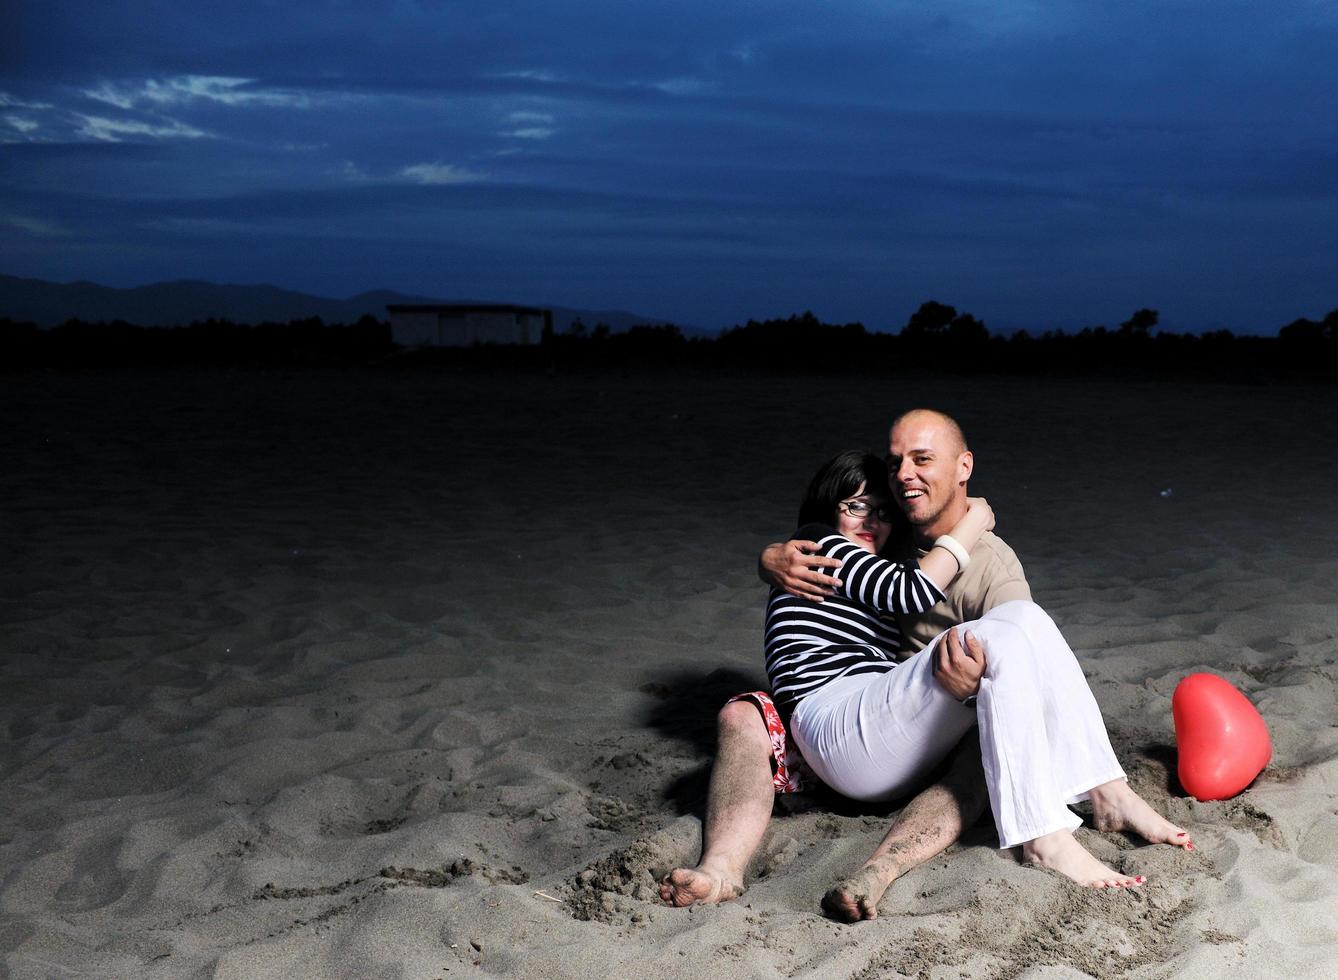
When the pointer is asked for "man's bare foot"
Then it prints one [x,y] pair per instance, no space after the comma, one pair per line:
[1060,851]
[694,886]
[856,897]
[1115,806]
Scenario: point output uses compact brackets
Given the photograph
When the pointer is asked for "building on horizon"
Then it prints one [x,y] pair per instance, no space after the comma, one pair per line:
[466,324]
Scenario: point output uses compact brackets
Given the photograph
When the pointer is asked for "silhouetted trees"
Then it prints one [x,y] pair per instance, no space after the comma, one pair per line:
[936,339]
[798,343]
[1307,333]
[937,334]
[1139,324]
[934,319]
[930,320]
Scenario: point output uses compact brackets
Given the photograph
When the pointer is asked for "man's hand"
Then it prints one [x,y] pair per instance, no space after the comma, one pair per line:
[794,568]
[957,670]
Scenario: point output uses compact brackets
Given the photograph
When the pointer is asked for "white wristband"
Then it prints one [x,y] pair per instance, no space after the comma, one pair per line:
[953,547]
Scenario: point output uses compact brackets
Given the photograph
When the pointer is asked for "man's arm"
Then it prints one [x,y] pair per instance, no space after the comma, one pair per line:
[958,670]
[1005,581]
[1006,590]
[794,568]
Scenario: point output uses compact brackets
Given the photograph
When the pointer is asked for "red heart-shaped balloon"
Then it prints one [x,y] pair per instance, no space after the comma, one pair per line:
[1222,739]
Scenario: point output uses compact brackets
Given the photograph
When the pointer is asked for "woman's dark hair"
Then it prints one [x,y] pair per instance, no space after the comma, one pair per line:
[839,478]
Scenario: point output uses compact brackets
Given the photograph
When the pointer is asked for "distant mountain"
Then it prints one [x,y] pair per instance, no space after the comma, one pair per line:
[186,301]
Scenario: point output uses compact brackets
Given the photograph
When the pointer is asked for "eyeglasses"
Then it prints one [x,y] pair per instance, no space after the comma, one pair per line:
[862,510]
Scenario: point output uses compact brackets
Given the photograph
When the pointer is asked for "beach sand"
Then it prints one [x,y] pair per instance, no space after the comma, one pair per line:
[375,675]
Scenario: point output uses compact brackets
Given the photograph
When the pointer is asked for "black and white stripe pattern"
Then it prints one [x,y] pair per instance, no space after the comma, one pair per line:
[809,644]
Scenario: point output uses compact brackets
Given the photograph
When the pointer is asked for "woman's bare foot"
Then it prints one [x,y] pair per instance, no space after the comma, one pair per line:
[1115,806]
[1060,851]
[856,897]
[700,885]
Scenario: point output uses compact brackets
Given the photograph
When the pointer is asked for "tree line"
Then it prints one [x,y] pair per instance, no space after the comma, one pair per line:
[935,338]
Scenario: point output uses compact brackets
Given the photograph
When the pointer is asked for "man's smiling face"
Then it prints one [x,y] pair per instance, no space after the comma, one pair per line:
[928,466]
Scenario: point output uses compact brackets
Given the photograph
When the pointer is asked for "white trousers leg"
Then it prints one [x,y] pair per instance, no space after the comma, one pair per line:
[1043,743]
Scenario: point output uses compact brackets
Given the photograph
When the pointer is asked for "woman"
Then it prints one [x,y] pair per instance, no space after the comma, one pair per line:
[871,728]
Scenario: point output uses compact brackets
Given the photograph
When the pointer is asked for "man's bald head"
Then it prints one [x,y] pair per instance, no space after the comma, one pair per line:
[955,438]
[928,465]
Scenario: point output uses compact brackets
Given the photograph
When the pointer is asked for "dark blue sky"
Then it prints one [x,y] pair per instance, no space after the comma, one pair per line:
[1038,164]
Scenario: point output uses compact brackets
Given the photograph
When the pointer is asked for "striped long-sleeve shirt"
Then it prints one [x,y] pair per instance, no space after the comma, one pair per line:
[809,644]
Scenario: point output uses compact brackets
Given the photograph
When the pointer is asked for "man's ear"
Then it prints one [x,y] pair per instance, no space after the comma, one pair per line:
[965,464]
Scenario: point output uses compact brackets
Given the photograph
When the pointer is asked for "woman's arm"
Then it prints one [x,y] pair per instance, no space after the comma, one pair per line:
[941,564]
[893,586]
[888,586]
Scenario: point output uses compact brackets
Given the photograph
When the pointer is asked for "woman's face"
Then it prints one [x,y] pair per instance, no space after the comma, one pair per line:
[869,531]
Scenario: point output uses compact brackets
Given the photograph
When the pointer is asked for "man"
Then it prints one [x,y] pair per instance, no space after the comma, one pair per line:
[929,465]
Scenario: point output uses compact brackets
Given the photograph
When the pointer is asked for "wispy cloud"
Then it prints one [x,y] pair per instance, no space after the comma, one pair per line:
[116,130]
[682,86]
[529,125]
[530,133]
[22,127]
[745,53]
[112,95]
[440,173]
[35,226]
[181,89]
[531,74]
[21,123]
[350,171]
[8,101]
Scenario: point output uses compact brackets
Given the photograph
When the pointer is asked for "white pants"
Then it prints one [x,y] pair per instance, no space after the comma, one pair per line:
[1042,740]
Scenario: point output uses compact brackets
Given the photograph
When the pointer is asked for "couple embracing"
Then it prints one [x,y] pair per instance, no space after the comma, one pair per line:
[883,657]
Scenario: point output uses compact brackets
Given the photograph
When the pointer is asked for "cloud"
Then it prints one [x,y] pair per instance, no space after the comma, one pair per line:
[530,75]
[531,133]
[113,130]
[112,96]
[8,101]
[682,86]
[35,226]
[181,89]
[745,53]
[530,125]
[348,170]
[440,173]
[22,124]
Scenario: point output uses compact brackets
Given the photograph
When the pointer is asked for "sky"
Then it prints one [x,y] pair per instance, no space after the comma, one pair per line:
[1040,165]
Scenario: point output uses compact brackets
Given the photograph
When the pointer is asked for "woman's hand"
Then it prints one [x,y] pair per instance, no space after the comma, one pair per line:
[980,509]
[794,568]
[978,519]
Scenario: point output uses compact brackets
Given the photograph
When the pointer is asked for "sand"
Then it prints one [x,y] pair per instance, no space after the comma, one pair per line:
[372,675]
